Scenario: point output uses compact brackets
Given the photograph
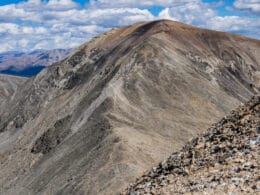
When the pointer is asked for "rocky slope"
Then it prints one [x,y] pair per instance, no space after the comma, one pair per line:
[9,86]
[31,63]
[223,160]
[89,124]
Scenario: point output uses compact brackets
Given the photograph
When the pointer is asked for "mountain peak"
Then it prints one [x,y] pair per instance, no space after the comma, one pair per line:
[119,104]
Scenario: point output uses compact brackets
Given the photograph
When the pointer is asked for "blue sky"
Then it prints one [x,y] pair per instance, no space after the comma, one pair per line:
[27,25]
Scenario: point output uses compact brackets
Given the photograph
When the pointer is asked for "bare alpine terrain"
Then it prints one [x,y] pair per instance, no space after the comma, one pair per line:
[9,87]
[120,104]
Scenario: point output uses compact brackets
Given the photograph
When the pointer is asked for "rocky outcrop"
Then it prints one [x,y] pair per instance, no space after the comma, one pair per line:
[224,159]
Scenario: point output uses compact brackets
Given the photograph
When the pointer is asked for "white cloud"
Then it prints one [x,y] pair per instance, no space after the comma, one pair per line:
[9,28]
[59,23]
[61,4]
[9,13]
[57,5]
[235,24]
[166,14]
[15,29]
[23,43]
[201,14]
[138,3]
[113,17]
[252,6]
[65,11]
[191,13]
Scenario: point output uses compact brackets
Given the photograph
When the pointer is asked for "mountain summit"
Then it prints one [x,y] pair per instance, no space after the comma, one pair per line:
[119,104]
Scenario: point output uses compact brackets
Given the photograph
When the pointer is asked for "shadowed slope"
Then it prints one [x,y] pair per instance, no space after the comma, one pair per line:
[119,104]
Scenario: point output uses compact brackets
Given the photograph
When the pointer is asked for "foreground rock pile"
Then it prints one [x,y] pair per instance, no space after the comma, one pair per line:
[225,159]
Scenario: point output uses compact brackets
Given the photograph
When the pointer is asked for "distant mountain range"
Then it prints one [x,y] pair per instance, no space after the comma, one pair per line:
[30,63]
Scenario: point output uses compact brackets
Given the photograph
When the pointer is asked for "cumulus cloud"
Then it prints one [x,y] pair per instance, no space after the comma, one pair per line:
[9,13]
[231,23]
[202,14]
[251,6]
[65,11]
[191,13]
[56,5]
[138,3]
[59,23]
[42,24]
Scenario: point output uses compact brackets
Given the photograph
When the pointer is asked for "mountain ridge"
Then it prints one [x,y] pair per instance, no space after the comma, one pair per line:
[89,123]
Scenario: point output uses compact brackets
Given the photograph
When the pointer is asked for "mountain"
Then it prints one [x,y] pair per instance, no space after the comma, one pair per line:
[9,86]
[31,63]
[119,104]
[223,160]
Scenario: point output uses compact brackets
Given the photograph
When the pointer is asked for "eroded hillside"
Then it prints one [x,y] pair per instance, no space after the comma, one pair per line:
[9,87]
